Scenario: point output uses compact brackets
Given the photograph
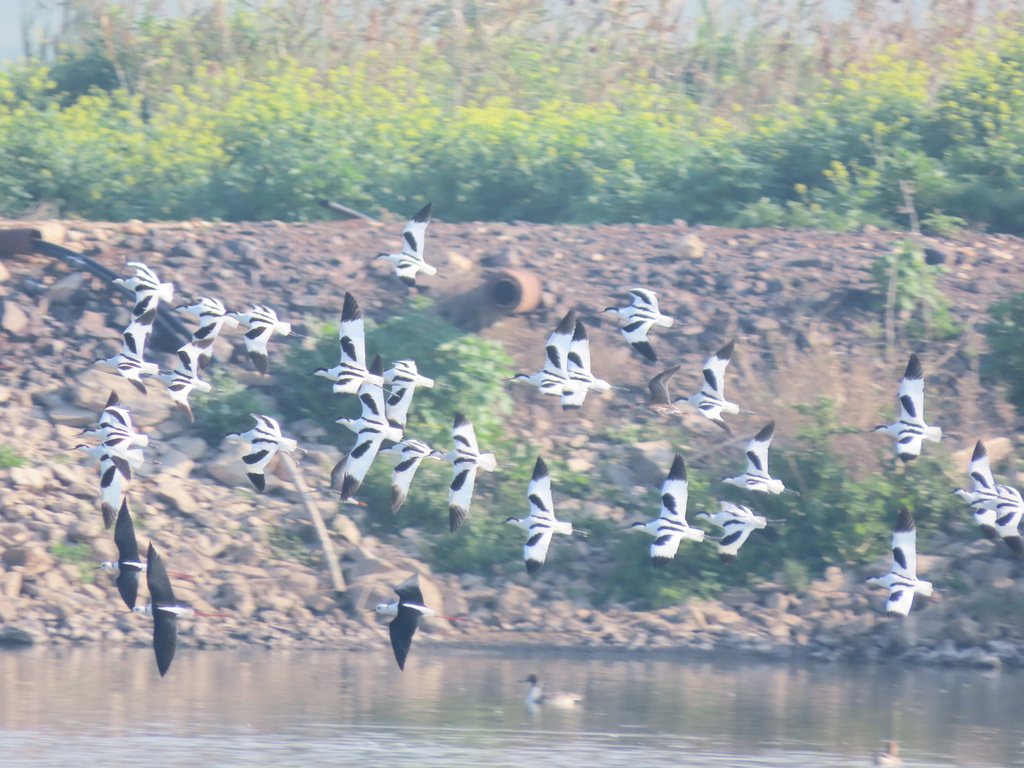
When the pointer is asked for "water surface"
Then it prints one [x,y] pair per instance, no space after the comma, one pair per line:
[449,708]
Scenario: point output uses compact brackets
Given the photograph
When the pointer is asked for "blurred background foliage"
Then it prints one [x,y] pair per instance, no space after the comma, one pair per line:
[770,113]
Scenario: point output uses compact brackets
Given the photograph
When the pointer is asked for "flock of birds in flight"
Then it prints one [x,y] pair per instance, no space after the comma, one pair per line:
[385,398]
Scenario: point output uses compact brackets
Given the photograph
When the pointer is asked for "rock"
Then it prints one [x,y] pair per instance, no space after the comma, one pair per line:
[13,318]
[71,416]
[237,595]
[515,603]
[12,635]
[343,525]
[64,289]
[193,447]
[10,584]
[175,464]
[93,324]
[85,530]
[5,274]
[31,557]
[366,564]
[171,490]
[92,388]
[186,249]
[300,583]
[691,247]
[28,477]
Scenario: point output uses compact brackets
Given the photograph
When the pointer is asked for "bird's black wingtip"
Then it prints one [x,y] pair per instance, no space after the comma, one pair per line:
[979,451]
[766,432]
[424,213]
[408,280]
[905,522]
[456,517]
[567,325]
[532,566]
[377,366]
[725,558]
[109,514]
[350,309]
[725,353]
[678,470]
[645,349]
[914,370]
[661,562]
[112,399]
[540,468]
[258,480]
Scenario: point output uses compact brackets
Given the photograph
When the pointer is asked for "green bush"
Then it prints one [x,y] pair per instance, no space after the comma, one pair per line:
[1005,335]
[263,136]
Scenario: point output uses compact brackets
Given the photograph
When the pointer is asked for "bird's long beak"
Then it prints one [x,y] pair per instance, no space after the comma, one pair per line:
[794,493]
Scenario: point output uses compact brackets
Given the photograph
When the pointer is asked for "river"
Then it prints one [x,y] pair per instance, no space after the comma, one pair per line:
[221,709]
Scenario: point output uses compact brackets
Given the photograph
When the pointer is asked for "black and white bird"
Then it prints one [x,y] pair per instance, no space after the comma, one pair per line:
[710,401]
[659,400]
[541,524]
[213,316]
[737,522]
[1009,512]
[410,453]
[403,377]
[537,699]
[554,376]
[639,317]
[984,496]
[465,459]
[130,362]
[902,581]
[265,440]
[410,261]
[164,610]
[756,478]
[262,323]
[128,565]
[408,611]
[911,428]
[371,428]
[670,527]
[351,372]
[580,378]
[146,284]
[180,385]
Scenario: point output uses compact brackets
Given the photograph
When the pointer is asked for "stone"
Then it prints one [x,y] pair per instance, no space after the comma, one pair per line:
[28,477]
[188,250]
[515,602]
[691,247]
[366,564]
[12,635]
[300,583]
[64,289]
[348,530]
[71,416]
[92,388]
[31,557]
[193,447]
[13,318]
[171,490]
[175,464]
[93,324]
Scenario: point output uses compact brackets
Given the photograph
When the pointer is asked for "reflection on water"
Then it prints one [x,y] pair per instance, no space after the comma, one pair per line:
[452,708]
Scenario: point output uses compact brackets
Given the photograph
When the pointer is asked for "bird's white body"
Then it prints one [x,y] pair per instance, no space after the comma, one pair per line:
[465,459]
[541,524]
[372,429]
[262,323]
[638,318]
[146,284]
[553,378]
[911,430]
[536,699]
[580,379]
[738,522]
[403,378]
[410,260]
[349,375]
[179,611]
[179,386]
[213,316]
[902,581]
[410,453]
[710,402]
[670,528]
[756,478]
[265,440]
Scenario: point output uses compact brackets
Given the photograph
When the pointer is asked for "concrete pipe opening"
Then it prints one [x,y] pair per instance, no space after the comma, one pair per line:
[514,291]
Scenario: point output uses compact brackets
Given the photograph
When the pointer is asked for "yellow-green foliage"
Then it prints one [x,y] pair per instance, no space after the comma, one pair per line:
[269,141]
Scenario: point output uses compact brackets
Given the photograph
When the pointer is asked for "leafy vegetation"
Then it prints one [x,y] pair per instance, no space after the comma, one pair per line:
[10,458]
[226,409]
[505,113]
[907,283]
[1005,334]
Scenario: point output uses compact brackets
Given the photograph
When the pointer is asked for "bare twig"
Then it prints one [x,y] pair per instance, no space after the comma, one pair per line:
[337,580]
[330,205]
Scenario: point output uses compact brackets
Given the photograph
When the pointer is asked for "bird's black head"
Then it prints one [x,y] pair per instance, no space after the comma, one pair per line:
[531,679]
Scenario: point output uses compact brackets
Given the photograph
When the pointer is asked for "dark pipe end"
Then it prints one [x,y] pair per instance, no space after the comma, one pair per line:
[18,241]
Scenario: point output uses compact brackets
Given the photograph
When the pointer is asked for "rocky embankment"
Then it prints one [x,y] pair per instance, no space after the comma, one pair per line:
[776,290]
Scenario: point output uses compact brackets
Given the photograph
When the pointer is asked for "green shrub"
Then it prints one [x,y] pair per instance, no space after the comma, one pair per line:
[1005,335]
[10,458]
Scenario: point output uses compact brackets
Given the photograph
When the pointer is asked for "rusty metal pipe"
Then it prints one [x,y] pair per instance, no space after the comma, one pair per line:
[514,291]
[18,241]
